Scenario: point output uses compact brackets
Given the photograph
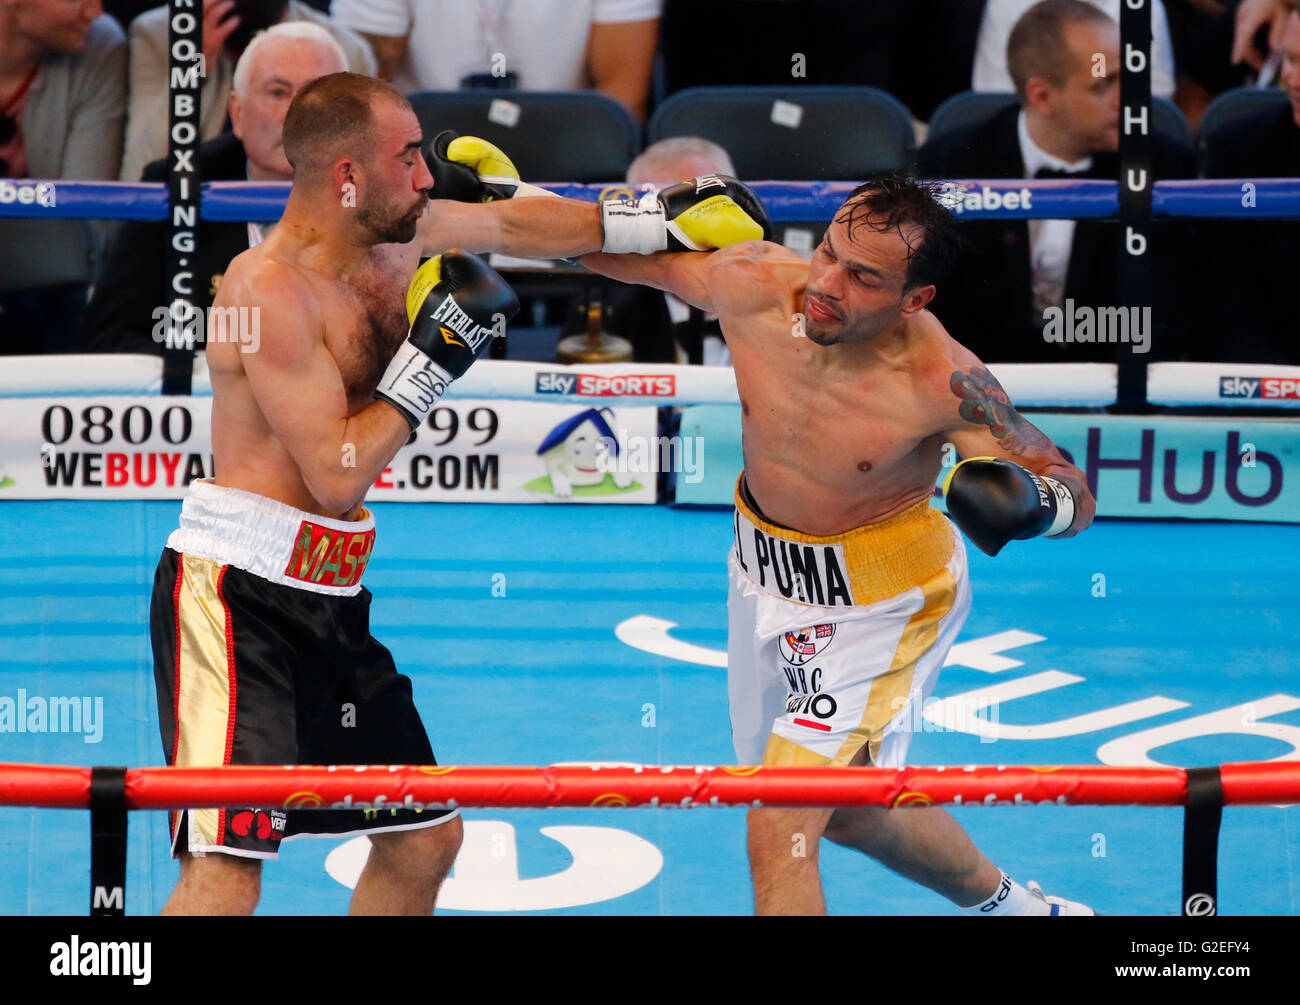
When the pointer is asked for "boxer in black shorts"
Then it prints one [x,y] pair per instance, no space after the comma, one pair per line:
[296,677]
[260,624]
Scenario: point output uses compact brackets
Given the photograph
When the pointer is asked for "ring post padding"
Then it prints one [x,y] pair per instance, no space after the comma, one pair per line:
[1201,841]
[185,75]
[108,821]
[1133,257]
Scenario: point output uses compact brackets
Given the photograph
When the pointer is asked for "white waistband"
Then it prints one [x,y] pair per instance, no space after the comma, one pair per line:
[272,540]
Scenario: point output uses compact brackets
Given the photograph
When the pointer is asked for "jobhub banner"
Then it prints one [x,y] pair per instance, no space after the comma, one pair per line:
[469,450]
[1177,466]
[1168,466]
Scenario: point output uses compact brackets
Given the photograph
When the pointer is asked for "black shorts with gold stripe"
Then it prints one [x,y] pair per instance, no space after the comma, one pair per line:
[250,671]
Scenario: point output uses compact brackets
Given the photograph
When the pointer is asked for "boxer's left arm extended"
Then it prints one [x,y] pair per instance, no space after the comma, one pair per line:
[479,203]
[1012,483]
[712,211]
[525,228]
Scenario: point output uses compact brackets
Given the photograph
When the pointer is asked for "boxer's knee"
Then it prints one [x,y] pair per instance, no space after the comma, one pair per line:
[425,853]
[856,826]
[781,838]
[216,884]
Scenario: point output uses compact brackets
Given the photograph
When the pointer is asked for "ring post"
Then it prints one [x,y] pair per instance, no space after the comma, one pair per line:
[107,842]
[1201,842]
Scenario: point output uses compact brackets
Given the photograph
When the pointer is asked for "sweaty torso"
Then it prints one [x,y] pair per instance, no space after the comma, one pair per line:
[831,443]
[361,317]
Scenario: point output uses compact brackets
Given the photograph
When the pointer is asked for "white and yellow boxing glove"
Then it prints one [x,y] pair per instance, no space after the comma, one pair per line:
[702,214]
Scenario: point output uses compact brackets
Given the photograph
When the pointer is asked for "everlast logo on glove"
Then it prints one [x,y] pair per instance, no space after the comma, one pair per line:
[451,316]
[472,302]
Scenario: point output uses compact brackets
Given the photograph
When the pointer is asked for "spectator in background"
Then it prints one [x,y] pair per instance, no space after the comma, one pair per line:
[536,45]
[228,25]
[1250,278]
[992,72]
[1202,37]
[1252,18]
[661,328]
[677,159]
[1067,125]
[122,315]
[62,105]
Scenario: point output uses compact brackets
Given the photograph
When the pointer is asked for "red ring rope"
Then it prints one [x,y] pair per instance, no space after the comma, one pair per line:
[567,785]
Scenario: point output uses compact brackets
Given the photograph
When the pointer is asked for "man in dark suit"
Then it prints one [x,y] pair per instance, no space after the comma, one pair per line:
[1066,125]
[1251,270]
[125,314]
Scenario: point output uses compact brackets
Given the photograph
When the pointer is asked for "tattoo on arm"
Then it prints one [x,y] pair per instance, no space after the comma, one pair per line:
[984,403]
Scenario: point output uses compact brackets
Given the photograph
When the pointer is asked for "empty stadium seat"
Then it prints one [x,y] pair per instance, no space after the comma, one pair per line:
[578,136]
[794,133]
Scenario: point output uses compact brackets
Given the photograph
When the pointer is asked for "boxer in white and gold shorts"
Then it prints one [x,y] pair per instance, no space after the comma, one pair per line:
[834,643]
[847,589]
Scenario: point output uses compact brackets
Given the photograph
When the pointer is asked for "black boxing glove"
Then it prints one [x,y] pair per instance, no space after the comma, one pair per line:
[702,214]
[469,169]
[455,304]
[995,501]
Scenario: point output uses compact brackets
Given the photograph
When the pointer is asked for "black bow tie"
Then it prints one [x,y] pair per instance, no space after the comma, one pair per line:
[1058,173]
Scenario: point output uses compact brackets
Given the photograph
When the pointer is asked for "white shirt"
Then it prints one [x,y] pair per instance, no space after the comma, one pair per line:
[543,41]
[1000,16]
[1049,240]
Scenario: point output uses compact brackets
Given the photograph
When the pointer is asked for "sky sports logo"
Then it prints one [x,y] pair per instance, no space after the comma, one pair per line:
[593,385]
[1272,388]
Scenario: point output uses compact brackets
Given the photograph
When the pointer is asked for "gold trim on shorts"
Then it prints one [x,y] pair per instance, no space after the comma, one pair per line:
[887,699]
[204,673]
[860,567]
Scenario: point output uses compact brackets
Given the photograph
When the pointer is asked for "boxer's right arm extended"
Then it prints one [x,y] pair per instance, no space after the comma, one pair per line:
[732,279]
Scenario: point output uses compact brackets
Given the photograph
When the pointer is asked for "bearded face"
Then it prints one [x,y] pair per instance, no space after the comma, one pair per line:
[391,218]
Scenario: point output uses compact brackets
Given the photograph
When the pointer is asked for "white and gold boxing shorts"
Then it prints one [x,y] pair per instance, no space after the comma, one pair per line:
[834,643]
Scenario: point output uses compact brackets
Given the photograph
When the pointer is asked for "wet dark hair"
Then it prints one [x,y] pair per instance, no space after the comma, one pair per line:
[895,201]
